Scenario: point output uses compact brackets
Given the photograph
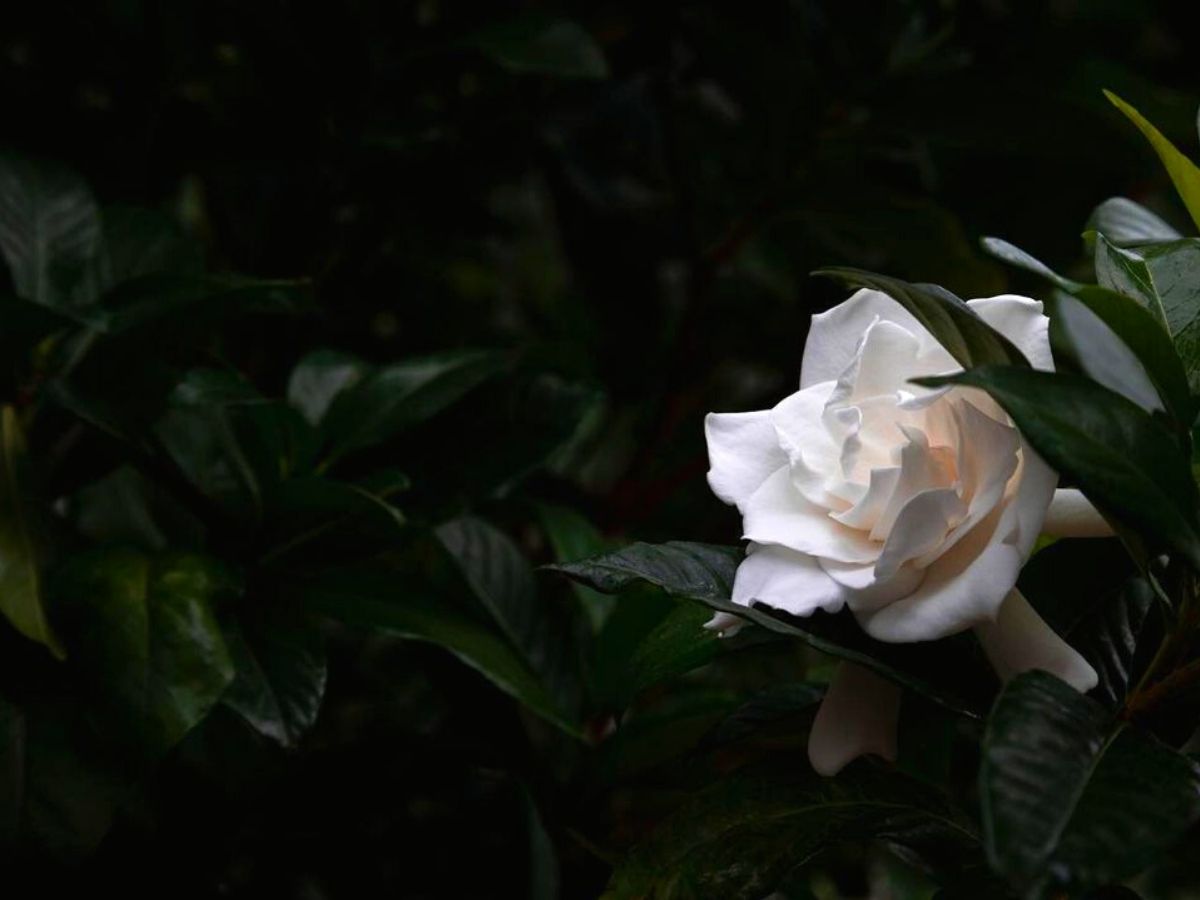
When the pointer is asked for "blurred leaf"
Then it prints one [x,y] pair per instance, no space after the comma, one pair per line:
[557,47]
[1124,461]
[402,395]
[374,597]
[161,298]
[141,242]
[965,336]
[20,579]
[124,507]
[573,537]
[738,838]
[319,378]
[502,580]
[1128,224]
[49,232]
[1072,800]
[770,705]
[307,516]
[704,572]
[281,672]
[1183,172]
[60,787]
[144,630]
[544,872]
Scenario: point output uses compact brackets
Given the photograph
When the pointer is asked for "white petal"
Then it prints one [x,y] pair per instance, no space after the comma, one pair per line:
[724,624]
[885,360]
[1072,515]
[834,335]
[865,590]
[1034,493]
[1021,321]
[1018,641]
[858,716]
[866,512]
[743,449]
[961,588]
[920,529]
[814,457]
[777,514]
[785,580]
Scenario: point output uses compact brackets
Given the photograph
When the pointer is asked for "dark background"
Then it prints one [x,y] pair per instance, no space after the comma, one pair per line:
[638,211]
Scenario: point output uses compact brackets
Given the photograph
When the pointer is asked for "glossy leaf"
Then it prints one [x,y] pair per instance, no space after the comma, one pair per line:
[1126,462]
[281,673]
[374,597]
[21,599]
[1123,347]
[1173,270]
[145,630]
[49,232]
[965,336]
[1128,224]
[1091,594]
[704,572]
[1072,800]
[738,838]
[1184,173]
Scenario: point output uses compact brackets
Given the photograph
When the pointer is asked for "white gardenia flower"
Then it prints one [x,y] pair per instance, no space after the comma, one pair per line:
[914,507]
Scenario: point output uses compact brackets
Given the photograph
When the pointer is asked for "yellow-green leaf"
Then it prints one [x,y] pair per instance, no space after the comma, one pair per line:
[20,581]
[1182,170]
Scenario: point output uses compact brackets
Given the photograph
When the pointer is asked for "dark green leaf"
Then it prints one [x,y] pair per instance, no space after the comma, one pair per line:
[1173,272]
[281,670]
[1072,800]
[573,537]
[679,644]
[49,232]
[1128,224]
[1183,172]
[1006,252]
[1123,347]
[20,579]
[1126,462]
[704,572]
[502,580]
[1125,271]
[770,705]
[1089,592]
[141,242]
[556,47]
[144,630]
[965,336]
[738,838]
[374,597]
[402,395]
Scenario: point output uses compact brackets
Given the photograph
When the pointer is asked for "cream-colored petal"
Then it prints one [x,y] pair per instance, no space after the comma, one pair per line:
[858,716]
[920,529]
[743,449]
[1019,641]
[922,468]
[961,588]
[865,590]
[1072,515]
[786,580]
[724,624]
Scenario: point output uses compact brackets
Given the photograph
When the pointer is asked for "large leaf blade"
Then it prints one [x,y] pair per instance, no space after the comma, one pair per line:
[1072,800]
